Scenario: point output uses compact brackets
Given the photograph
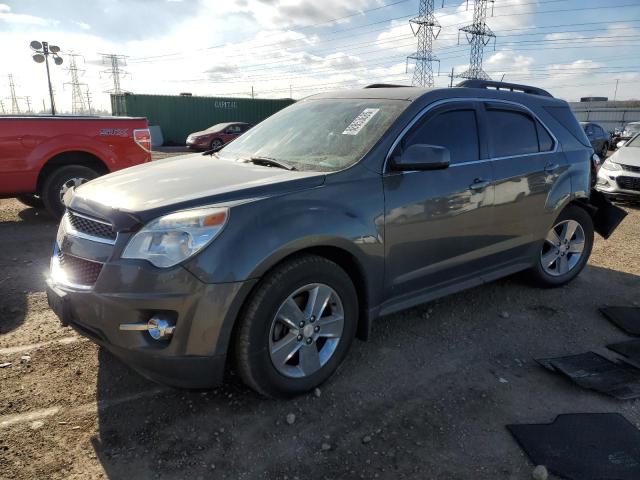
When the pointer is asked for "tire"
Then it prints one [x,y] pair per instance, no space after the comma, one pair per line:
[567,265]
[216,143]
[31,200]
[57,180]
[261,328]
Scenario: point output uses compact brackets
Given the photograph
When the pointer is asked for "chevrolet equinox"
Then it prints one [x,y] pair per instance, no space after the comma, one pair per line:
[273,253]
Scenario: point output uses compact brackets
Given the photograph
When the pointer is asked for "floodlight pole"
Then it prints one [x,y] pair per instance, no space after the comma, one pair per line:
[45,50]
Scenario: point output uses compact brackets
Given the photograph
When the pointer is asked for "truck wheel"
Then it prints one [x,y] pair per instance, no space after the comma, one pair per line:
[59,181]
[31,200]
[297,327]
[565,249]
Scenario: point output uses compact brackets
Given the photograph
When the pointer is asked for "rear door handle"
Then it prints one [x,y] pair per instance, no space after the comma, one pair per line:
[479,184]
[551,168]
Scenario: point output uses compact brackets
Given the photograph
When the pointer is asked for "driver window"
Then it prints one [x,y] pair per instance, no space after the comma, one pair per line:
[456,130]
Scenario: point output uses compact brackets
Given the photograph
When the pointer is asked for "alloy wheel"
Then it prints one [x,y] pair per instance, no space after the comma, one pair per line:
[306,330]
[72,182]
[563,248]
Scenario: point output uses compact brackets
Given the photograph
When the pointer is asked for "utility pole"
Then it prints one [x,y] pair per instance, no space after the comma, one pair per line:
[42,51]
[252,92]
[77,99]
[478,35]
[15,108]
[28,100]
[426,28]
[114,62]
[451,78]
[615,94]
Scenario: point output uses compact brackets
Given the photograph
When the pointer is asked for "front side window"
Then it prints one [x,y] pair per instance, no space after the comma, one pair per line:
[456,130]
[318,134]
[513,133]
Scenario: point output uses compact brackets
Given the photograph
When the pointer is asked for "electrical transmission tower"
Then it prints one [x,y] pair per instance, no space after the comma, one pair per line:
[78,105]
[2,107]
[478,35]
[15,108]
[426,28]
[115,61]
[28,100]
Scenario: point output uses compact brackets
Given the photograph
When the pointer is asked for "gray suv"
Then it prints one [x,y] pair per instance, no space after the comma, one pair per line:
[272,254]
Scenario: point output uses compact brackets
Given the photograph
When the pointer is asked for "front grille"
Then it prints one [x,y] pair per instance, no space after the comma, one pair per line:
[78,270]
[630,168]
[629,183]
[91,227]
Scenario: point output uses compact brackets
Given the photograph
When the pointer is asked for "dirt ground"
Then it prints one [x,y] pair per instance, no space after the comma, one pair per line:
[427,397]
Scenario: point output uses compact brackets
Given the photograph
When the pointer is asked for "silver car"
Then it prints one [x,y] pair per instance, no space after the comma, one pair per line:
[619,175]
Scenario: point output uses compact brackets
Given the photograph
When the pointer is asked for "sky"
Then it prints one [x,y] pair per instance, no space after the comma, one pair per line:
[573,48]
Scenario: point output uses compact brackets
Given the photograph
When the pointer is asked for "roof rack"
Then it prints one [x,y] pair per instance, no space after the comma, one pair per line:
[385,85]
[512,87]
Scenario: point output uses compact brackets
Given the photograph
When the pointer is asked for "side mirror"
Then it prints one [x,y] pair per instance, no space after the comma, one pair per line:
[422,157]
[621,143]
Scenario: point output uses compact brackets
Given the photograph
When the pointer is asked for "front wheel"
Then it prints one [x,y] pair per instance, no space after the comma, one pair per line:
[565,249]
[604,152]
[217,143]
[297,327]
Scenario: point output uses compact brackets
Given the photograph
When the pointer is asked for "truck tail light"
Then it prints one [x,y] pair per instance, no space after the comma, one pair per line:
[142,137]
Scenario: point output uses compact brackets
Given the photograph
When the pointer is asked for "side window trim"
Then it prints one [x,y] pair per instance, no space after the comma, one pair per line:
[481,127]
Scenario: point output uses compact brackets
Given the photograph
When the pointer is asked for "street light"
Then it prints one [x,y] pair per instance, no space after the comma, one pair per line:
[42,52]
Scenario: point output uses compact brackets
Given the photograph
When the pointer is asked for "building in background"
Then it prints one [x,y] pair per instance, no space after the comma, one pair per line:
[609,115]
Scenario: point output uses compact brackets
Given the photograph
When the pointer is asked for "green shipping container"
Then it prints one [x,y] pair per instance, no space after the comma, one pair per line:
[180,115]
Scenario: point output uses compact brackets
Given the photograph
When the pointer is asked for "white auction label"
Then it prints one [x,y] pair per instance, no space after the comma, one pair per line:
[360,121]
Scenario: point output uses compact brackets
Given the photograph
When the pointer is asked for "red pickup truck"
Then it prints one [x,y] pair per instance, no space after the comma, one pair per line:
[41,157]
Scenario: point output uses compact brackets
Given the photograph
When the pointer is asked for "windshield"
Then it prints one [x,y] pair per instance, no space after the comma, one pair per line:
[323,134]
[634,142]
[217,126]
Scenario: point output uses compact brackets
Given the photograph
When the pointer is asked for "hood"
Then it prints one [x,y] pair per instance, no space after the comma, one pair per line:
[627,156]
[186,181]
[202,133]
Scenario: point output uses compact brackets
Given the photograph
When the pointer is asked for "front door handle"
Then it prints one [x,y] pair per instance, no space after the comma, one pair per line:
[479,184]
[551,168]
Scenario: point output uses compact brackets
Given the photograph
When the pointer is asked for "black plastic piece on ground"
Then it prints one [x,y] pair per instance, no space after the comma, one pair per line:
[629,349]
[583,446]
[625,318]
[595,372]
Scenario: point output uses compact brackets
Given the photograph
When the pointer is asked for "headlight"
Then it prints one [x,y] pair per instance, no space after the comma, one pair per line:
[609,165]
[168,240]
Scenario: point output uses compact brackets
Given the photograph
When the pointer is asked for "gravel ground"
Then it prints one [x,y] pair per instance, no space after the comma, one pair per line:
[427,397]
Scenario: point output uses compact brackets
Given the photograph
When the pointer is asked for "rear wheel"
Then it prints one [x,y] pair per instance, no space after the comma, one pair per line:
[565,249]
[31,200]
[297,327]
[59,182]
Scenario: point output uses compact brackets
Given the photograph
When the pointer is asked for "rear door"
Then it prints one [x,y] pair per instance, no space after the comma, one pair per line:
[526,166]
[438,223]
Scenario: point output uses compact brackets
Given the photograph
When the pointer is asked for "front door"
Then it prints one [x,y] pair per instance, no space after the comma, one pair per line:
[438,223]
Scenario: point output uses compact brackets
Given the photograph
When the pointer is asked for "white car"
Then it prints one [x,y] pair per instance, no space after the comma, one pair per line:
[619,175]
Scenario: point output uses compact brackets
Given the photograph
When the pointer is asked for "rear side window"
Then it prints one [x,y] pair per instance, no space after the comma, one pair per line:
[457,130]
[544,139]
[567,119]
[513,133]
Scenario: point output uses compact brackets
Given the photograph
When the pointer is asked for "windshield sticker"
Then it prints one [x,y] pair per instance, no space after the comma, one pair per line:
[360,121]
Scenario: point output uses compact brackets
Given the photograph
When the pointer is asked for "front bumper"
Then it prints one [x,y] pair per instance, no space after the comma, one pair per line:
[618,183]
[198,144]
[131,292]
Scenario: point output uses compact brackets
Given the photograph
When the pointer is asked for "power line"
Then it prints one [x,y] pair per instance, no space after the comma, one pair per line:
[426,28]
[478,35]
[78,105]
[15,108]
[115,72]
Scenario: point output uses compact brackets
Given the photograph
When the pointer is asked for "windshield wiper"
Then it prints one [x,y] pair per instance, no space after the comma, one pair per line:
[271,162]
[213,150]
